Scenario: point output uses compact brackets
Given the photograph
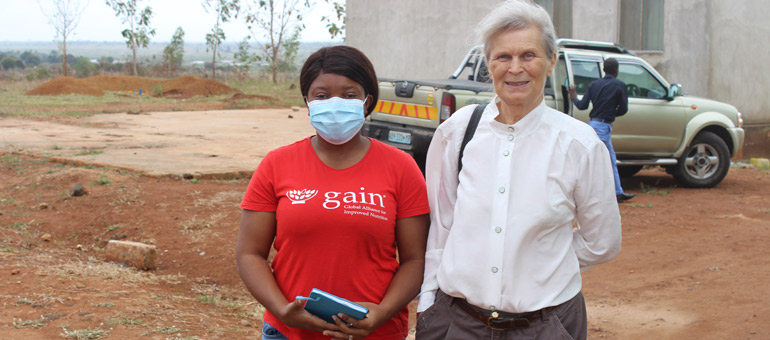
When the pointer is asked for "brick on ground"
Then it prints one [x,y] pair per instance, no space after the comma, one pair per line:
[134,254]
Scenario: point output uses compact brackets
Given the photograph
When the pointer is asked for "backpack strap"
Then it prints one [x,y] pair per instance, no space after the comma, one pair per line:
[469,132]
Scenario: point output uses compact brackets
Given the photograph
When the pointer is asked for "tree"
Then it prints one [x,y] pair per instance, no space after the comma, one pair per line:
[64,17]
[174,52]
[243,58]
[290,49]
[334,29]
[31,58]
[139,31]
[224,10]
[8,63]
[84,67]
[276,19]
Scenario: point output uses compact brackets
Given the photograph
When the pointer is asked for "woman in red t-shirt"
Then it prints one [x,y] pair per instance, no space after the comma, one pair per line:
[346,214]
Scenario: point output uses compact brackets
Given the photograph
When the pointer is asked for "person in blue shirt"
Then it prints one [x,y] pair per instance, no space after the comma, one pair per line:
[610,100]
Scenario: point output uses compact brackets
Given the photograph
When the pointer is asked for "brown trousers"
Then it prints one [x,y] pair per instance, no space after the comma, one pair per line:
[446,321]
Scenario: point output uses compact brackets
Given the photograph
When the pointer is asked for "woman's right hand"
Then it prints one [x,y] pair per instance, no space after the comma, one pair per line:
[294,315]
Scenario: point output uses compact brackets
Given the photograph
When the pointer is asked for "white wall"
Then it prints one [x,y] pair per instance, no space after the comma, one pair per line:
[423,39]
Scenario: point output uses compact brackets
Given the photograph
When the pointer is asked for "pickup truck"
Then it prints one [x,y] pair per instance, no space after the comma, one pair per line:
[692,138]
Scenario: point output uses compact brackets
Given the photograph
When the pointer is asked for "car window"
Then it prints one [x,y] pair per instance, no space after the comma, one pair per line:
[640,83]
[584,73]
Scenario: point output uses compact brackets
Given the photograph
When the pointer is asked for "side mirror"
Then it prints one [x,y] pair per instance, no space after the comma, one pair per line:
[674,91]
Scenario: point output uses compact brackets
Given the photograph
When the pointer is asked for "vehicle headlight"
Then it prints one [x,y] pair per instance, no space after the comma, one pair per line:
[740,119]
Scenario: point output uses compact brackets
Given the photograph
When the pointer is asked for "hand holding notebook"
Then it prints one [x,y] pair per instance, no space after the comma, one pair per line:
[324,305]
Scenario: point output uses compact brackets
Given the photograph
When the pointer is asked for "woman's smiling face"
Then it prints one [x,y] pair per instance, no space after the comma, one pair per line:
[519,65]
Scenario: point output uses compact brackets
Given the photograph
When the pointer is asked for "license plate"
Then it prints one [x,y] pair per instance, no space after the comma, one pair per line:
[400,137]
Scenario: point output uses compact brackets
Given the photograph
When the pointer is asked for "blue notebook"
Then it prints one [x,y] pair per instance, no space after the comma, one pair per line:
[324,305]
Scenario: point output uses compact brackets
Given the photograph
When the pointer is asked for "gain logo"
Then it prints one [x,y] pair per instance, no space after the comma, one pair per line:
[300,196]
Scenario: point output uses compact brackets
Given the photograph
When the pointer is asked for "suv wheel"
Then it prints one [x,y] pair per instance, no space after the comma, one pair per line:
[705,163]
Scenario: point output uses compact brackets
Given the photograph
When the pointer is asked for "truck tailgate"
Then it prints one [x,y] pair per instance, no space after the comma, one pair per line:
[416,107]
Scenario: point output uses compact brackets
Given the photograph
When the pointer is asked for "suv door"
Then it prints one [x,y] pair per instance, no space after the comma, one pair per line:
[583,69]
[654,124]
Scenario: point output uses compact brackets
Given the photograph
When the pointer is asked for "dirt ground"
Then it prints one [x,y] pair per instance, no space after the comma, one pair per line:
[694,262]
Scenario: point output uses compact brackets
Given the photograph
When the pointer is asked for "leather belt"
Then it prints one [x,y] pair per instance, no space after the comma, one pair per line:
[501,321]
[602,120]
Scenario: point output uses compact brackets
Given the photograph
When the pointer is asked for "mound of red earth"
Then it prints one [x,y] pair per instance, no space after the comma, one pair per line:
[187,86]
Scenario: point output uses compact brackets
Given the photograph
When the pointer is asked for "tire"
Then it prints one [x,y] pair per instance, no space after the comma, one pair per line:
[628,170]
[705,162]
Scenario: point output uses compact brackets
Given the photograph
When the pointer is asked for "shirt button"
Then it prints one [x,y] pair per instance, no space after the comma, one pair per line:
[492,307]
[502,190]
[510,137]
[506,153]
[510,128]
[498,230]
[494,269]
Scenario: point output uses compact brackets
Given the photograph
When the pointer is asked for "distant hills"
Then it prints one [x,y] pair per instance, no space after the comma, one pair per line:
[194,51]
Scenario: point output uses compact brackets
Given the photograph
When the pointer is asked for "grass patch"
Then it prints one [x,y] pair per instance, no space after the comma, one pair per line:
[85,334]
[194,181]
[38,323]
[21,323]
[9,250]
[103,304]
[218,301]
[103,181]
[654,190]
[766,211]
[124,321]
[115,226]
[636,205]
[89,153]
[164,330]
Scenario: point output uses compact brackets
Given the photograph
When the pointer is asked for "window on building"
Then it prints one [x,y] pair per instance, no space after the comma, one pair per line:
[561,15]
[641,24]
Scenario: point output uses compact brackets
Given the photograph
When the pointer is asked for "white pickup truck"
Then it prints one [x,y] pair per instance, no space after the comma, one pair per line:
[692,138]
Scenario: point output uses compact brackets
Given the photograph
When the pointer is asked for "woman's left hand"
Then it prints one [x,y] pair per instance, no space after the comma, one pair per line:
[351,328]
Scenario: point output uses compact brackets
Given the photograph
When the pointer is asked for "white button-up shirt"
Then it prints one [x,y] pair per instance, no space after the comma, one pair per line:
[535,203]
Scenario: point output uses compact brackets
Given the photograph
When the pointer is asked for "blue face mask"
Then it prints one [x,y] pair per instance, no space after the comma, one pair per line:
[335,119]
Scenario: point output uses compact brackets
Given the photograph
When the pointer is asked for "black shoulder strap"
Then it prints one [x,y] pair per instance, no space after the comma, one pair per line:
[469,131]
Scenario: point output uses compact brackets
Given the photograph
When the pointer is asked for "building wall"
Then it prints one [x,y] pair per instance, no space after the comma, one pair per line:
[409,39]
[595,20]
[715,49]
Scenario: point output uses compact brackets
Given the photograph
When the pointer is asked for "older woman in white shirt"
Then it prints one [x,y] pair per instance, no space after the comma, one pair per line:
[532,206]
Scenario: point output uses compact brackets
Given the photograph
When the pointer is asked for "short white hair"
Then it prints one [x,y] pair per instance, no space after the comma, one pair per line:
[513,15]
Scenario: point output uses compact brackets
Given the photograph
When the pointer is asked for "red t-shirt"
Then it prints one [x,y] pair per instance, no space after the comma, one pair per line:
[336,227]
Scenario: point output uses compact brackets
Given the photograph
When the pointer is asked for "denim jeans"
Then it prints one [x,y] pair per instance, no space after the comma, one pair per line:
[270,333]
[604,131]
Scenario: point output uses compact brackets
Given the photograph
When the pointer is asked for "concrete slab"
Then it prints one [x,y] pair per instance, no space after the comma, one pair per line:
[203,143]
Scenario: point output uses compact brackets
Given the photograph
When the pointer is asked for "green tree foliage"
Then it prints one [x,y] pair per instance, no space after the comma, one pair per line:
[31,58]
[331,25]
[53,57]
[276,21]
[139,30]
[290,49]
[225,10]
[64,16]
[84,67]
[244,58]
[174,52]
[39,73]
[8,63]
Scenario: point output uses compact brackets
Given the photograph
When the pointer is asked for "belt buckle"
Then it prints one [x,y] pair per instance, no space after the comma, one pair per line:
[494,316]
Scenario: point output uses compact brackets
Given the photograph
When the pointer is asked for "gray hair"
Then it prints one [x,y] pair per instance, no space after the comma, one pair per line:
[513,15]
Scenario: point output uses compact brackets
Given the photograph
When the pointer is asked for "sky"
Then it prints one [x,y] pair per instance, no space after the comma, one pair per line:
[24,21]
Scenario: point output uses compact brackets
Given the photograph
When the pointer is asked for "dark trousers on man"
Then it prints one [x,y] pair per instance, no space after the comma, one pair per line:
[449,319]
